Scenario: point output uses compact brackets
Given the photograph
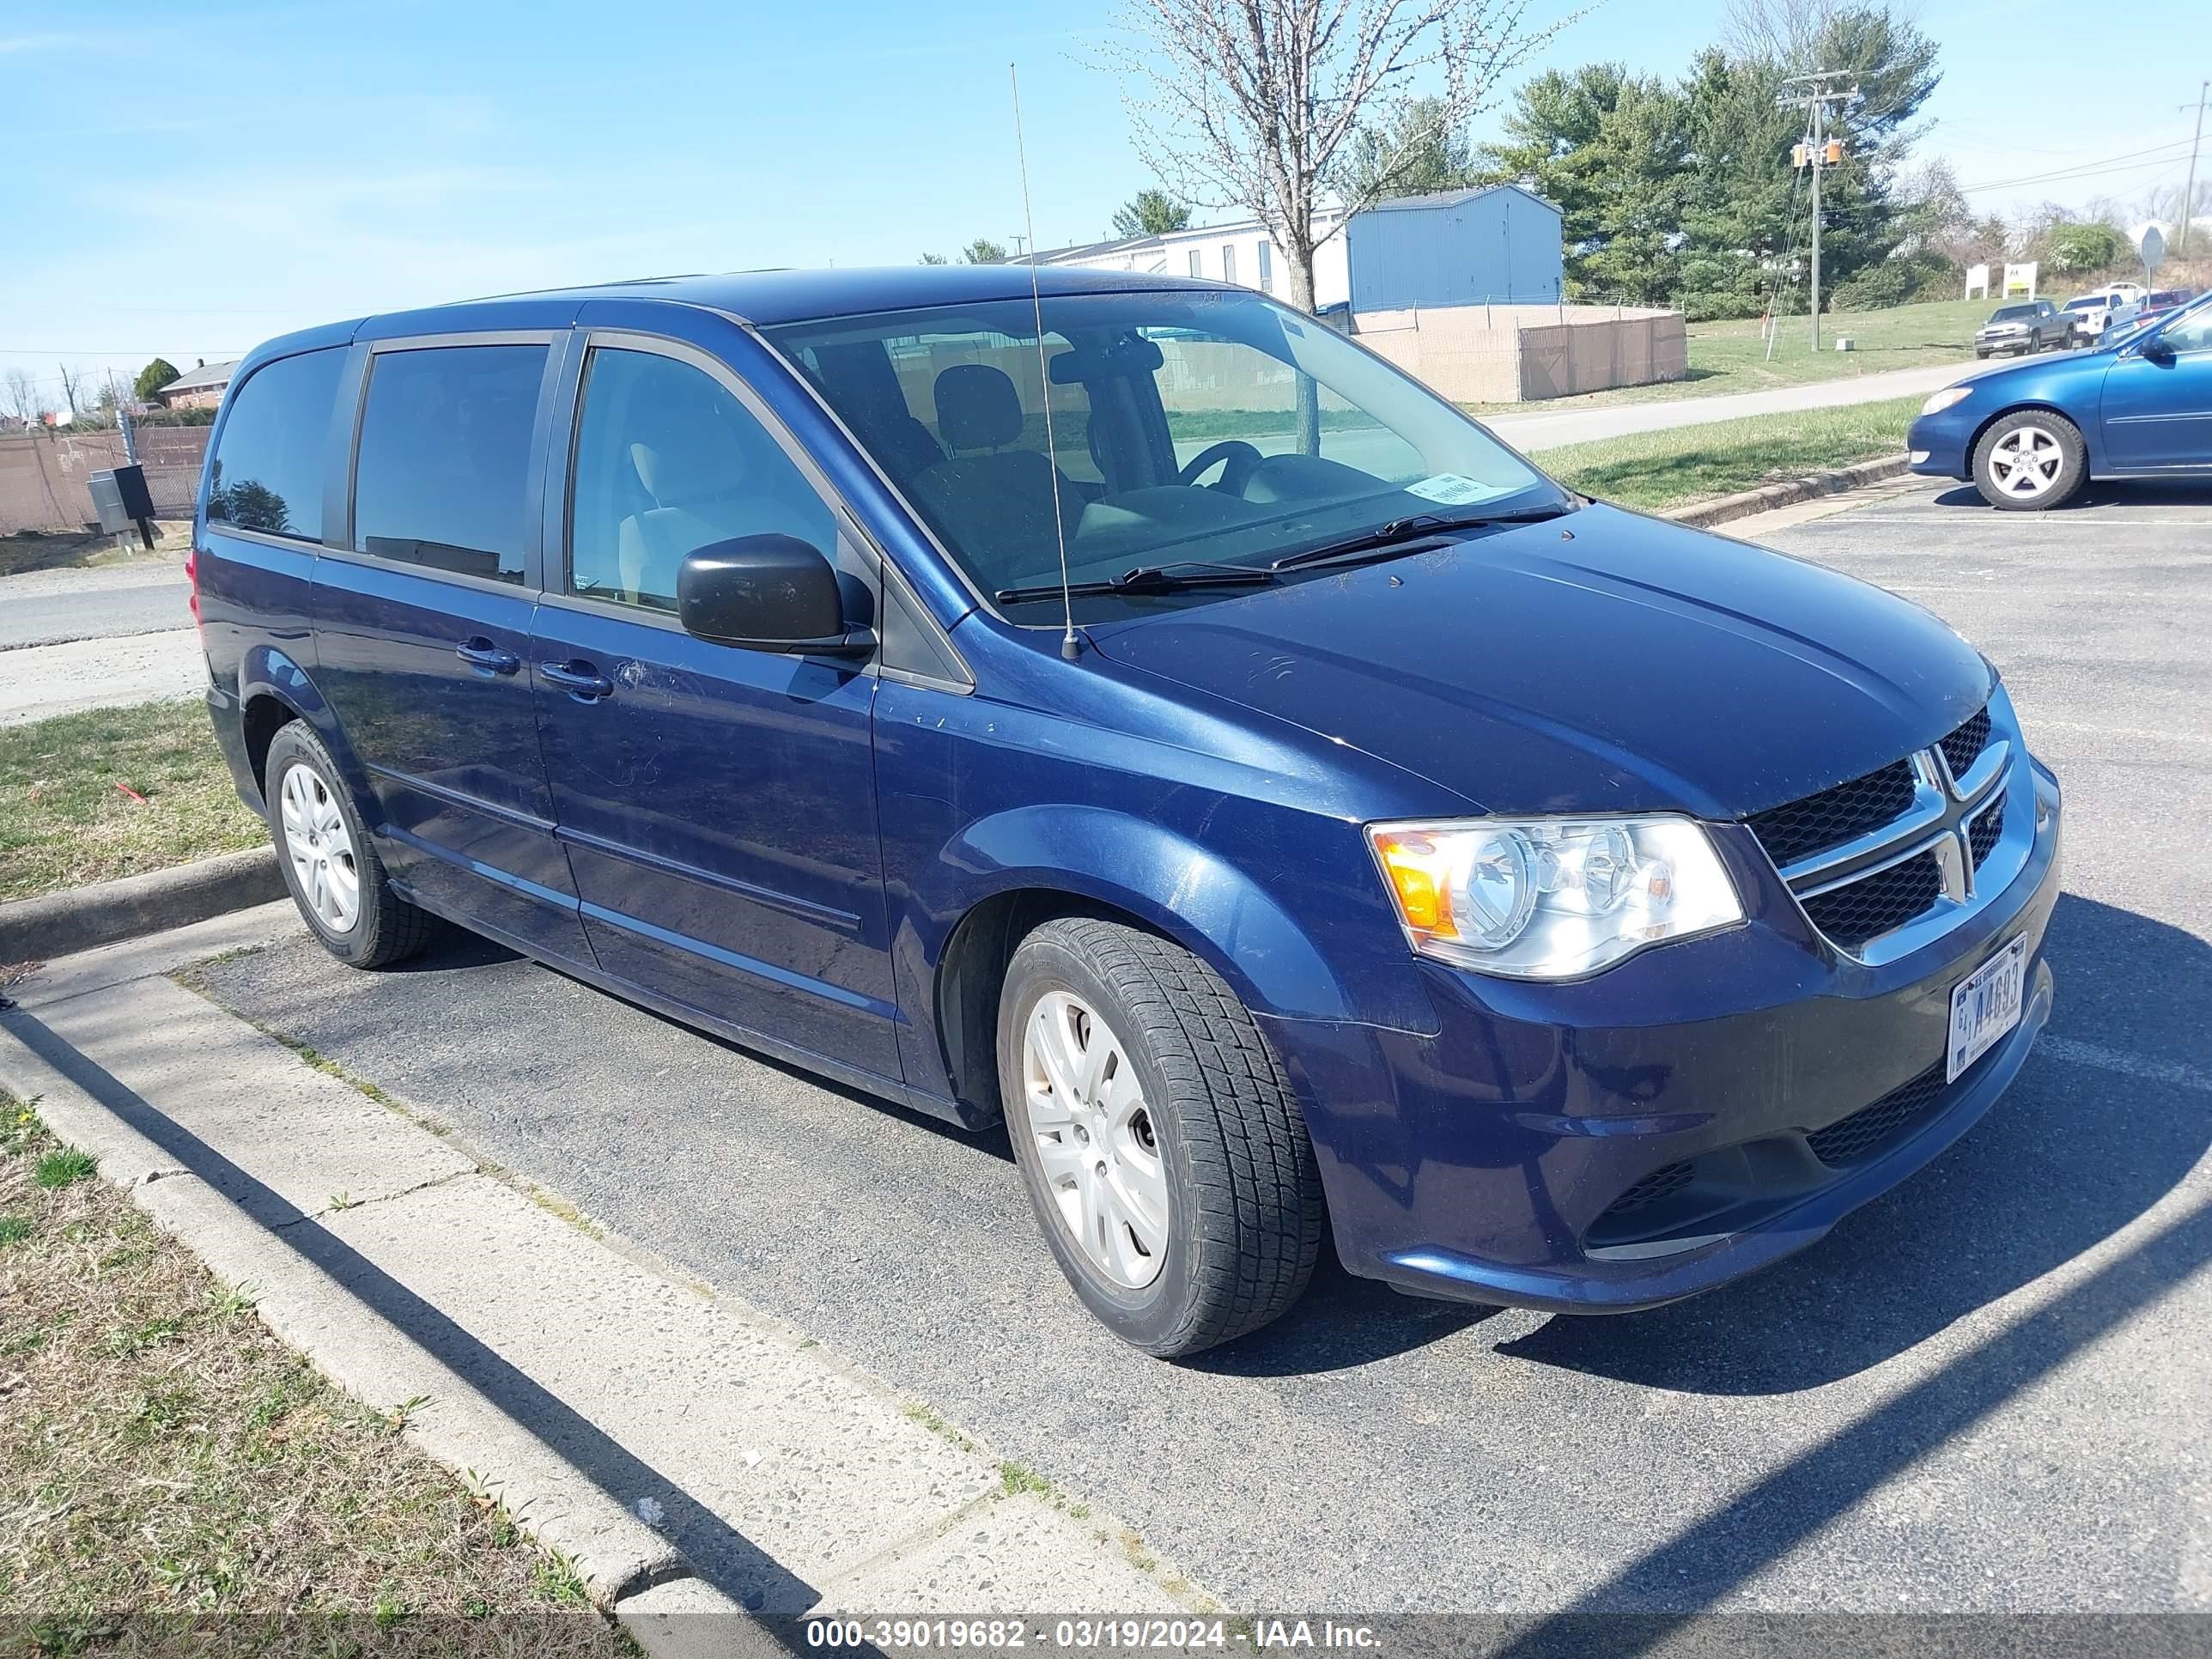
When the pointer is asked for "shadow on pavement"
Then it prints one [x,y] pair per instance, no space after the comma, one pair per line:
[722,1555]
[2102,492]
[1731,1545]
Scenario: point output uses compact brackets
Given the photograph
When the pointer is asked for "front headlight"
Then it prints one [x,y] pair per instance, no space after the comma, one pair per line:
[1551,898]
[1943,399]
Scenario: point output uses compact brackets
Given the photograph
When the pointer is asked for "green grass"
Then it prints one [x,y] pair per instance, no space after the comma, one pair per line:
[1656,470]
[1731,356]
[162,1453]
[64,821]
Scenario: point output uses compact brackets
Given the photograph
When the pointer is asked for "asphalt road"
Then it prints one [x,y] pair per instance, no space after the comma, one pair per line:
[104,637]
[53,607]
[1984,1391]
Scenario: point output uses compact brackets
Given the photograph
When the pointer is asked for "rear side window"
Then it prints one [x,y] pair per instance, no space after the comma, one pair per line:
[667,461]
[268,470]
[443,472]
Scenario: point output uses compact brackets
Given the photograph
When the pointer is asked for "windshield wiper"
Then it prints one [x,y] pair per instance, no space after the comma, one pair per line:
[1399,533]
[1150,578]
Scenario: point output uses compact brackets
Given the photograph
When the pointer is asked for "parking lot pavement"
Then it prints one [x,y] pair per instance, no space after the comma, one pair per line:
[1984,1391]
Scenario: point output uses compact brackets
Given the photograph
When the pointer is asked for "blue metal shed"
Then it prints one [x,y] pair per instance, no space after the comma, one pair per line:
[1498,243]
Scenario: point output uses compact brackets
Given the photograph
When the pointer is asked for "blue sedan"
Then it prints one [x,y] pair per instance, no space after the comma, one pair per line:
[2138,405]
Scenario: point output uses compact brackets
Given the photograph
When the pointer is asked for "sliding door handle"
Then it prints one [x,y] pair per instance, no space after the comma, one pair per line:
[578,679]
[481,654]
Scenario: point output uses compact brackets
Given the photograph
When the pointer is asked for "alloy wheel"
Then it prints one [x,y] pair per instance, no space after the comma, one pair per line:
[1094,1140]
[321,849]
[2027,463]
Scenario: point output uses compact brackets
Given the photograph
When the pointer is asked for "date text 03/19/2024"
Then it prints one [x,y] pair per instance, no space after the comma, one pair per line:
[1001,1635]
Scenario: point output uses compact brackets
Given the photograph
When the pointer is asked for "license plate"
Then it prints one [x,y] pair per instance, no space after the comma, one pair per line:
[1985,1005]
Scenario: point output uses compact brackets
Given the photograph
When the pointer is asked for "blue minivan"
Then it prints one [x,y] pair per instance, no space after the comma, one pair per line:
[1128,710]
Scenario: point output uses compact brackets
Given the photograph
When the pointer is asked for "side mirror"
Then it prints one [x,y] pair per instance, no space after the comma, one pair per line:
[2156,350]
[769,592]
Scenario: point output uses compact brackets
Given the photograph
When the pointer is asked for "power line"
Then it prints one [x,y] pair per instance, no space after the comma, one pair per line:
[2170,150]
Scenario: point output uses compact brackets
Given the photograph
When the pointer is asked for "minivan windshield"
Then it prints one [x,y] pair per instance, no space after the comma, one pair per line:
[1200,442]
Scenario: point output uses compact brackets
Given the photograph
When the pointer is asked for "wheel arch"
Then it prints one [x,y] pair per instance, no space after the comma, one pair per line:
[273,691]
[1035,864]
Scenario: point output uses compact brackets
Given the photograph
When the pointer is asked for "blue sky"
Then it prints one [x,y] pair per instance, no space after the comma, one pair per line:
[280,164]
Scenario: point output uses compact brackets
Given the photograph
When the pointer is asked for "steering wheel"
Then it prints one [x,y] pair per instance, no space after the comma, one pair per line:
[1239,458]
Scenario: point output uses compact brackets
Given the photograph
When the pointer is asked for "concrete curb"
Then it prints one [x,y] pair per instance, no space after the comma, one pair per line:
[714,1472]
[637,1575]
[1765,499]
[62,924]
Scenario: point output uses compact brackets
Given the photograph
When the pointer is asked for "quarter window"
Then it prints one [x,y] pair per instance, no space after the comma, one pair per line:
[268,472]
[668,461]
[443,479]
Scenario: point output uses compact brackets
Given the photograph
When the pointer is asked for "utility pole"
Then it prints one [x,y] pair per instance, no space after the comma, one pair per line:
[1815,93]
[2188,190]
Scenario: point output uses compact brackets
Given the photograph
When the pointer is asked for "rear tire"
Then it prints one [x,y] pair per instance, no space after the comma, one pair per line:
[1164,1153]
[2030,461]
[329,863]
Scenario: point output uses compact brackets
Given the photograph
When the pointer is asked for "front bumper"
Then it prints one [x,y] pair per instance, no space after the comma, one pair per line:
[1942,445]
[1489,1161]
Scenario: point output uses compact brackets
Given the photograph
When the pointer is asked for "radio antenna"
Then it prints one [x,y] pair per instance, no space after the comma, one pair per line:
[1071,646]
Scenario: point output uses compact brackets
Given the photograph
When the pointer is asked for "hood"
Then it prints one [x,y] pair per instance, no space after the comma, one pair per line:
[1602,662]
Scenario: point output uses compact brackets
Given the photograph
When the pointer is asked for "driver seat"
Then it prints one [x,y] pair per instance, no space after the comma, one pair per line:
[996,500]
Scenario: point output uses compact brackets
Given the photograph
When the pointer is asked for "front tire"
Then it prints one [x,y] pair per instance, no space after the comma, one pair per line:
[329,863]
[1164,1156]
[2030,461]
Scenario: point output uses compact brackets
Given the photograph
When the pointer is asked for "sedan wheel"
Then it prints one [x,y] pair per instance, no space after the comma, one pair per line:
[2030,461]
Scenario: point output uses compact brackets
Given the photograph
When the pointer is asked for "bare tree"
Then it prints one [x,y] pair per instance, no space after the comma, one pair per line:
[24,401]
[1255,103]
[76,389]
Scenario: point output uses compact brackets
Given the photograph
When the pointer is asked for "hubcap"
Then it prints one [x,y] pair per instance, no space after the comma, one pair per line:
[2027,462]
[1094,1140]
[321,851]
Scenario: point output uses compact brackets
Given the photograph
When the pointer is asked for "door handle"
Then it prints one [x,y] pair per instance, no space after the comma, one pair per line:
[481,654]
[578,679]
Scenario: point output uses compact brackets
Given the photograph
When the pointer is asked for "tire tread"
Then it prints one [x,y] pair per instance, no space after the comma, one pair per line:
[1257,1226]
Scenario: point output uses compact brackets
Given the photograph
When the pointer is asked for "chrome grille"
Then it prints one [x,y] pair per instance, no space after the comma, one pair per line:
[1874,855]
[1982,838]
[1833,816]
[1861,910]
[1964,746]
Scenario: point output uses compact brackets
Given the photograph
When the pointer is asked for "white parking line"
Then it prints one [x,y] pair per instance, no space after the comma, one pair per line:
[2071,1052]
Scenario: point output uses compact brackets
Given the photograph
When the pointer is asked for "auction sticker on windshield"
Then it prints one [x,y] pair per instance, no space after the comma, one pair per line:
[1456,488]
[1985,1005]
